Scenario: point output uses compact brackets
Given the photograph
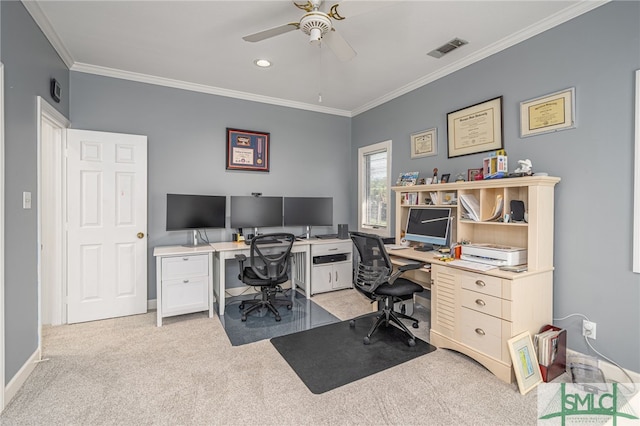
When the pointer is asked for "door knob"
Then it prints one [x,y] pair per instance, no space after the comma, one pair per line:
[140,235]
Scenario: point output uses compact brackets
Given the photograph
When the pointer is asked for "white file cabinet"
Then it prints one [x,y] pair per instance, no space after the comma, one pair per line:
[331,265]
[183,284]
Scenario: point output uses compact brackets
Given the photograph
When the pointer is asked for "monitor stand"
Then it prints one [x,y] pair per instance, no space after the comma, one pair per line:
[194,240]
[424,247]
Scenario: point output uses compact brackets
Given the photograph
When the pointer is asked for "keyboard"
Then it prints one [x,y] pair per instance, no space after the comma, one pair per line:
[326,236]
[263,241]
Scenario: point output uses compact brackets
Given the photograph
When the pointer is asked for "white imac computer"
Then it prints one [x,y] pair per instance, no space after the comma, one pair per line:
[429,226]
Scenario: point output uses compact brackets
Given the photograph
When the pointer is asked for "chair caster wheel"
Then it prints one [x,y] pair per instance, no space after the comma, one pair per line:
[352,323]
[366,340]
[243,318]
[411,342]
[289,307]
[241,306]
[278,318]
[414,325]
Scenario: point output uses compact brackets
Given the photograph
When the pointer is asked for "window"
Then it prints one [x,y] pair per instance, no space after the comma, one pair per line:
[374,188]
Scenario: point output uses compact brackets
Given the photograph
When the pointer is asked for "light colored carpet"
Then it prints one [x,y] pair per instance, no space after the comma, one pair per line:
[126,371]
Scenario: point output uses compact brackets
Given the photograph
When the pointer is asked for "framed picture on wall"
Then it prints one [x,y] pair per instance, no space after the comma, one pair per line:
[477,128]
[247,150]
[424,143]
[549,113]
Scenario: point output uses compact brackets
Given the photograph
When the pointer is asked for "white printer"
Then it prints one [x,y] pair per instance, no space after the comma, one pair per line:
[494,254]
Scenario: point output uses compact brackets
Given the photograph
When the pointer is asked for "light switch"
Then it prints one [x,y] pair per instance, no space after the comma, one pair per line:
[26,200]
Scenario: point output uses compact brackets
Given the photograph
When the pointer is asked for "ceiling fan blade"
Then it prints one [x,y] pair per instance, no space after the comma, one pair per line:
[271,32]
[339,45]
[348,9]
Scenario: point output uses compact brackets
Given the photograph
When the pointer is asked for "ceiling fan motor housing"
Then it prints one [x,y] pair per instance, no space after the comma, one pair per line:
[315,23]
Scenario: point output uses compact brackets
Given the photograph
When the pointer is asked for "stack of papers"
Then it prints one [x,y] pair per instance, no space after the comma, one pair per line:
[471,206]
[496,213]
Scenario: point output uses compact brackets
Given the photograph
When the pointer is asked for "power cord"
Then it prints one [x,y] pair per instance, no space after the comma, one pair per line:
[586,340]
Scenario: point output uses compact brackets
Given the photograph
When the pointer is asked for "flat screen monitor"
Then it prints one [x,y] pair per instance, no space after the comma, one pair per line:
[256,212]
[308,211]
[195,211]
[430,226]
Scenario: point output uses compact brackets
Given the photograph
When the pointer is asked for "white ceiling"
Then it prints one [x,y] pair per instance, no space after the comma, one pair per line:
[198,45]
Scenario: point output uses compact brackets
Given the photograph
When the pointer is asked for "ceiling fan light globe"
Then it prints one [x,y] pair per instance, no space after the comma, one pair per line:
[315,35]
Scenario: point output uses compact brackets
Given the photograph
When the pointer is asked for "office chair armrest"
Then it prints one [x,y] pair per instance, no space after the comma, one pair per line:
[411,266]
[402,269]
[241,259]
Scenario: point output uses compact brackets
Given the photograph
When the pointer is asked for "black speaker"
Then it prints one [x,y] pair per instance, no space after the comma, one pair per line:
[517,210]
[343,231]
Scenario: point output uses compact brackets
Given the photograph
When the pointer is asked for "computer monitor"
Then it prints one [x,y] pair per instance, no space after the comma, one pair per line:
[256,212]
[194,212]
[308,212]
[429,226]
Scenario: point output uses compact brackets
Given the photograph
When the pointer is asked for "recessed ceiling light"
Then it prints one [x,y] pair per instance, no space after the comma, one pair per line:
[262,63]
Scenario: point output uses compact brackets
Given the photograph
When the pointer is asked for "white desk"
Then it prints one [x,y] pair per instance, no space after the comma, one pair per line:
[300,267]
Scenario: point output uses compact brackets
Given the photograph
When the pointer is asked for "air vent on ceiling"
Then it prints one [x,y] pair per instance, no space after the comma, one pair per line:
[446,48]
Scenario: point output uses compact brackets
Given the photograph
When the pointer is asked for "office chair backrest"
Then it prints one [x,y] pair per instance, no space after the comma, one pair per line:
[270,261]
[374,265]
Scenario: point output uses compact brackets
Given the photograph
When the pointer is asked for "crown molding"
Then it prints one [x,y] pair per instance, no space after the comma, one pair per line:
[45,26]
[526,33]
[563,16]
[201,88]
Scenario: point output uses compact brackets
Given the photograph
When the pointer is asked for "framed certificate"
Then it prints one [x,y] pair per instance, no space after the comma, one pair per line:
[477,128]
[247,150]
[549,113]
[424,143]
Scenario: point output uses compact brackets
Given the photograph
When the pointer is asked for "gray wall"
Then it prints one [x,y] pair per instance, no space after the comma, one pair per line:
[310,152]
[29,62]
[597,53]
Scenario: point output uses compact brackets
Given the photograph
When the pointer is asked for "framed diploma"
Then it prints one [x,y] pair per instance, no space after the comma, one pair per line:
[525,362]
[549,113]
[477,128]
[424,143]
[247,150]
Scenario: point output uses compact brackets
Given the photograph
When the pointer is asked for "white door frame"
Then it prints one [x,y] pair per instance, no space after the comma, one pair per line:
[54,160]
[2,358]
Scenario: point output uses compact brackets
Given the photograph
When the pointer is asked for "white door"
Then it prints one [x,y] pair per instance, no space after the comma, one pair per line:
[107,225]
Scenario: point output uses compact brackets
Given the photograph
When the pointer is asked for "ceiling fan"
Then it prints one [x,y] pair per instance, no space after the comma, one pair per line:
[318,25]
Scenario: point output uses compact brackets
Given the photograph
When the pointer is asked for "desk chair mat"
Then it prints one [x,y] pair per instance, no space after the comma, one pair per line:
[334,355]
[260,325]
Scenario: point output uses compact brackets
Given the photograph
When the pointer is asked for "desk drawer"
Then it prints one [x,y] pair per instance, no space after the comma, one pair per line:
[185,266]
[184,295]
[482,332]
[481,283]
[332,248]
[482,303]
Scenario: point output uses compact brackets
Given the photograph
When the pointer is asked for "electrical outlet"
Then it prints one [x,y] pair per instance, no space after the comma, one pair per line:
[589,329]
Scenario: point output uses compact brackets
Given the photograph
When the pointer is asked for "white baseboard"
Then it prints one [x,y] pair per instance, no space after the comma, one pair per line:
[610,371]
[21,376]
[152,304]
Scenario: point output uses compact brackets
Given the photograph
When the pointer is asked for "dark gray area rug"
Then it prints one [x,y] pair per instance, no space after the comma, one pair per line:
[333,355]
[261,324]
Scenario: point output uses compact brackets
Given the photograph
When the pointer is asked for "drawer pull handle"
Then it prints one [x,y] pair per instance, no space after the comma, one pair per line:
[333,249]
[185,281]
[185,259]
[480,283]
[480,302]
[480,331]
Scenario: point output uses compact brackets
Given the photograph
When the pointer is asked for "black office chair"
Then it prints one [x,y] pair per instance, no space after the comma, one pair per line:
[377,281]
[269,265]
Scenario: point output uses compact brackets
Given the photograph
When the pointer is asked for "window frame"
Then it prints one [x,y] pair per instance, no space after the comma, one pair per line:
[383,231]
